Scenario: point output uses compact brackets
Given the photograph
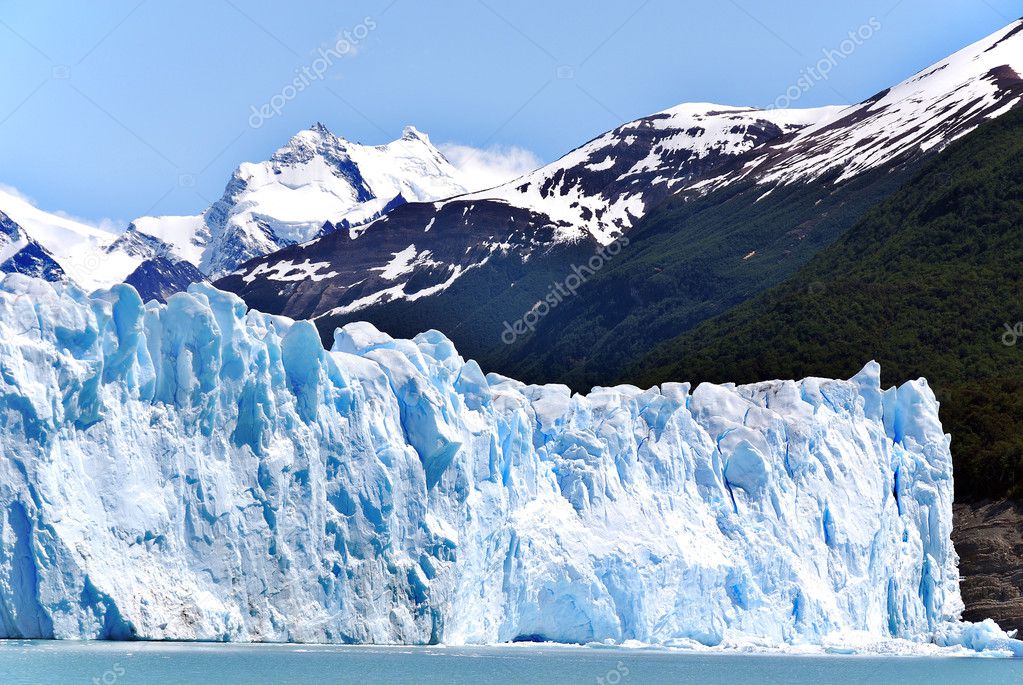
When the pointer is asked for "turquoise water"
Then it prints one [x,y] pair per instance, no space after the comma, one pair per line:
[50,663]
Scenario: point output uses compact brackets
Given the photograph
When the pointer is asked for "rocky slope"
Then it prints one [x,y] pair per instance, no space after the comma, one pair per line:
[20,254]
[590,197]
[989,540]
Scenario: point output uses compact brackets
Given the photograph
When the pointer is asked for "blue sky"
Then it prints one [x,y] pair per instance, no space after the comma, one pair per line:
[128,107]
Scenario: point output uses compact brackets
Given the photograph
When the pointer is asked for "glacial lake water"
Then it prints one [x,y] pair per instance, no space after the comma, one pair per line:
[59,663]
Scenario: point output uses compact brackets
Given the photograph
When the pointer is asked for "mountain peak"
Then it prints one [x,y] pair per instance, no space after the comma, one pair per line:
[316,136]
[314,178]
[413,133]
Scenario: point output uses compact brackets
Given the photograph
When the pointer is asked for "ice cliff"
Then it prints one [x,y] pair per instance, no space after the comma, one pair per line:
[195,470]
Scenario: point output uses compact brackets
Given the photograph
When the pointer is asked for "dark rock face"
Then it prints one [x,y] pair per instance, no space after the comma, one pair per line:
[8,227]
[399,258]
[138,244]
[159,278]
[31,259]
[989,539]
[34,260]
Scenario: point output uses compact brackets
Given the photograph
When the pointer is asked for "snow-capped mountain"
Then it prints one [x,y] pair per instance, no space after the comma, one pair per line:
[603,187]
[383,244]
[598,192]
[593,194]
[20,254]
[922,114]
[198,471]
[315,179]
[76,248]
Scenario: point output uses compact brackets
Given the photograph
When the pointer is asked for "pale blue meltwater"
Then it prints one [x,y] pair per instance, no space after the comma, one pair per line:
[59,663]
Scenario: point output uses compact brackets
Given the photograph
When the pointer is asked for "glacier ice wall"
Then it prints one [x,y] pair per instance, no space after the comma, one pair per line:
[198,471]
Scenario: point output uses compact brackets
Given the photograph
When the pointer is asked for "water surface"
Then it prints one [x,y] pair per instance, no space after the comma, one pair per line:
[57,663]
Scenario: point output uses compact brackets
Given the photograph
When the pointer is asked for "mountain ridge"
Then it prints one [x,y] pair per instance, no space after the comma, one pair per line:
[824,163]
[564,204]
[315,178]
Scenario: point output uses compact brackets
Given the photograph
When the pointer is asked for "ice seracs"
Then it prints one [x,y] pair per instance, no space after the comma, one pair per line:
[195,470]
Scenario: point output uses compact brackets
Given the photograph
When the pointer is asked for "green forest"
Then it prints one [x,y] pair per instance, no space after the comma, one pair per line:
[928,283]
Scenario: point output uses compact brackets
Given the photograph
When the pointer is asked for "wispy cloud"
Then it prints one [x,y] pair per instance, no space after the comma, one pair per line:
[23,208]
[484,168]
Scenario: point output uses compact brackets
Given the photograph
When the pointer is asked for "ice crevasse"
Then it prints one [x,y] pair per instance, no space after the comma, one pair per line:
[196,470]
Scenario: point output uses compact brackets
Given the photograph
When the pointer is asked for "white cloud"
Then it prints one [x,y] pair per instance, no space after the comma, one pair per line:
[484,168]
[24,210]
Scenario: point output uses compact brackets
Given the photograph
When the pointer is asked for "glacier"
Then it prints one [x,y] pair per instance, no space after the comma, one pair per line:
[199,471]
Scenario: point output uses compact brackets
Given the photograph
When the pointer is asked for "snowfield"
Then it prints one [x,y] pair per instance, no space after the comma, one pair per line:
[198,471]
